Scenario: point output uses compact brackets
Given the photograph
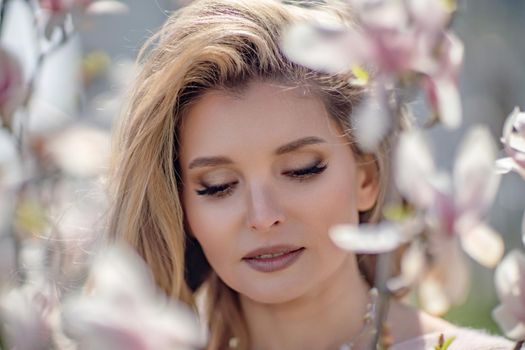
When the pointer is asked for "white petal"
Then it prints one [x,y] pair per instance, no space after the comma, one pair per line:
[509,280]
[475,181]
[449,102]
[413,264]
[513,328]
[371,124]
[367,239]
[119,270]
[433,298]
[509,121]
[23,319]
[505,165]
[107,7]
[328,47]
[514,131]
[413,167]
[81,151]
[10,164]
[483,244]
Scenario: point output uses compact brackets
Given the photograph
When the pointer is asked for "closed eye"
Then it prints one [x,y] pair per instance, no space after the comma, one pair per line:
[306,173]
[218,191]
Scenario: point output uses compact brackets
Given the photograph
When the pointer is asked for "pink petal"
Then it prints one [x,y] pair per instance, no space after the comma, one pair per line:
[413,166]
[375,14]
[475,181]
[512,327]
[328,47]
[443,213]
[483,244]
[12,88]
[367,239]
[420,10]
[449,267]
[124,311]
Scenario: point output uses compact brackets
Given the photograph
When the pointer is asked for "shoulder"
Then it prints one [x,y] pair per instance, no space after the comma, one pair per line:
[461,339]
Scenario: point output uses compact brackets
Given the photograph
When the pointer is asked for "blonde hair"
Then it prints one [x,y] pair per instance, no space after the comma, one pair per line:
[211,44]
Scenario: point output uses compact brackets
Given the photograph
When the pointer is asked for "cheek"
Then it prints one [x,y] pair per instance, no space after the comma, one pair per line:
[213,226]
[332,201]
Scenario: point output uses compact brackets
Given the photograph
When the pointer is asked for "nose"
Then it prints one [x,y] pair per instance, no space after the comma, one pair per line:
[263,209]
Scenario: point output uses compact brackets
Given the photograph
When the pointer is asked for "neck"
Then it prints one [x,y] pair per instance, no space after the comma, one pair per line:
[325,318]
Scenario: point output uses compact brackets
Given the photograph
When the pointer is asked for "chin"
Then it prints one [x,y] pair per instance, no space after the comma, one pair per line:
[272,293]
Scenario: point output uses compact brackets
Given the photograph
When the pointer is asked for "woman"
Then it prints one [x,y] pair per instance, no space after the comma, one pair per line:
[233,163]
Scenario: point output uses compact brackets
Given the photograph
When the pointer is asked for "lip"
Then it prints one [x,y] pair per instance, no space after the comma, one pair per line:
[287,256]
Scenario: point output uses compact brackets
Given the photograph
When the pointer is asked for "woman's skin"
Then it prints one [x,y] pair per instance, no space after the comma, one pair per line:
[270,167]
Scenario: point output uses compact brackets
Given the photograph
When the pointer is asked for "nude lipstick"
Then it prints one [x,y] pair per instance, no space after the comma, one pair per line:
[273,258]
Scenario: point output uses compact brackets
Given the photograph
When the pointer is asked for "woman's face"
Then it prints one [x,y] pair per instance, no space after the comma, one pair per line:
[265,175]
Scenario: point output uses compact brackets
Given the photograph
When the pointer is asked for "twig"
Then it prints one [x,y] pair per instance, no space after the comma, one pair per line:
[382,275]
[519,344]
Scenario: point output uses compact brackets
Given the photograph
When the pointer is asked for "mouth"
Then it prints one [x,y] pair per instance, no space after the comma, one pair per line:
[271,259]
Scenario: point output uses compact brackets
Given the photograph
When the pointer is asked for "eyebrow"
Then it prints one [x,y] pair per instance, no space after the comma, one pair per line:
[287,148]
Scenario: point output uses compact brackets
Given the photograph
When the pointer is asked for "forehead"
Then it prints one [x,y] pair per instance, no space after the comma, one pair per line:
[263,117]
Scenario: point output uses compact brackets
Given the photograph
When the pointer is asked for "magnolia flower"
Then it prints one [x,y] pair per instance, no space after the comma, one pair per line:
[395,38]
[510,286]
[514,141]
[123,310]
[454,209]
[11,85]
[455,206]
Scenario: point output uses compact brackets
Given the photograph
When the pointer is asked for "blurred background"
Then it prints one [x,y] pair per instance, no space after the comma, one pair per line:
[88,78]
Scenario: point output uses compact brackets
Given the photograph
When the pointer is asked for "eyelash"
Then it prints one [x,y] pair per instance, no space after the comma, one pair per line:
[223,190]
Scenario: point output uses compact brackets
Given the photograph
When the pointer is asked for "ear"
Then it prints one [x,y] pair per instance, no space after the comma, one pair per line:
[367,182]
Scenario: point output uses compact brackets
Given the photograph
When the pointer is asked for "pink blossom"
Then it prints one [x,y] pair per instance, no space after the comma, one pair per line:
[455,205]
[510,286]
[396,38]
[123,310]
[11,85]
